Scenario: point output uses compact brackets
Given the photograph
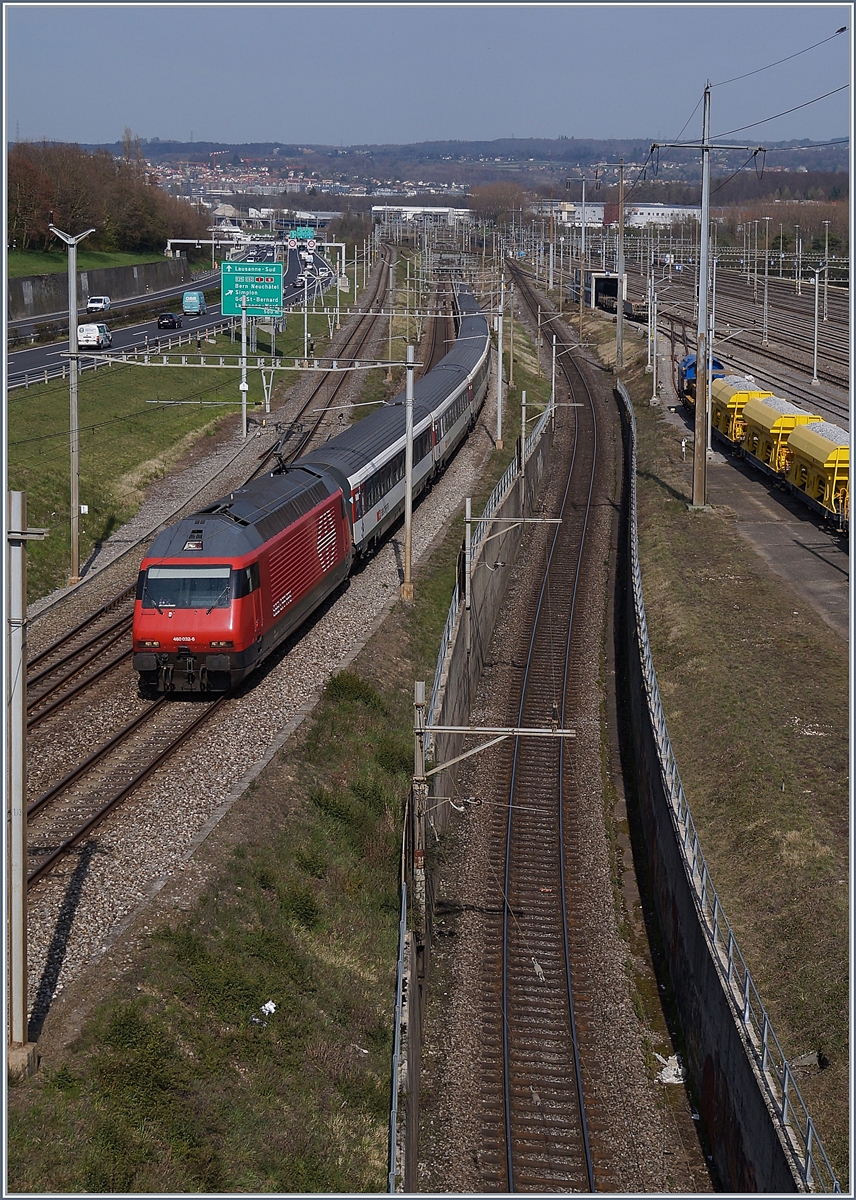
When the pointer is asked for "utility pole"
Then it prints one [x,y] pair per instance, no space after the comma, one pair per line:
[619,308]
[755,295]
[407,585]
[826,273]
[74,423]
[814,378]
[420,799]
[653,311]
[798,264]
[699,499]
[390,290]
[553,376]
[511,342]
[767,220]
[700,430]
[550,281]
[21,1052]
[243,386]
[499,366]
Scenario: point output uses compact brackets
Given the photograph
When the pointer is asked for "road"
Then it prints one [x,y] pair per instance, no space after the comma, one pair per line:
[35,360]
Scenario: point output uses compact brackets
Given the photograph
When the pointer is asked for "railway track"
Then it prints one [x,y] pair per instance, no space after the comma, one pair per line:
[440,327]
[347,355]
[70,809]
[80,657]
[764,365]
[69,812]
[545,1127]
[790,324]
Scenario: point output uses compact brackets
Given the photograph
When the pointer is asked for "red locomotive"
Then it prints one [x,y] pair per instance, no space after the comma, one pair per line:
[221,589]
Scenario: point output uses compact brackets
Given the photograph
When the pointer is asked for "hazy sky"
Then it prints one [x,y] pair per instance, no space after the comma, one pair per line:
[340,73]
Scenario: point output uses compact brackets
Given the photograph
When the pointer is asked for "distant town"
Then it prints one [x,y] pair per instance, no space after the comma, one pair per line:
[208,173]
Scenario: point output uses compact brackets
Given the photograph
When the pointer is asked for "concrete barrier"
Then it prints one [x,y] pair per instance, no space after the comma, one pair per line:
[37,296]
[761,1136]
[760,1133]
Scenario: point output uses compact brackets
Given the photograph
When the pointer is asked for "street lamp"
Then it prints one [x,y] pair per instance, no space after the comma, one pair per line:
[74,427]
[820,267]
[767,221]
[755,292]
[798,264]
[826,273]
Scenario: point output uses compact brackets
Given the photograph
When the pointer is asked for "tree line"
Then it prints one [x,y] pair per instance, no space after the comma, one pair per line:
[61,184]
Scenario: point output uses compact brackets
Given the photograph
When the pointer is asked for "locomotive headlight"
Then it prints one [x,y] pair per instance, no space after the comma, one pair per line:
[149,643]
[224,645]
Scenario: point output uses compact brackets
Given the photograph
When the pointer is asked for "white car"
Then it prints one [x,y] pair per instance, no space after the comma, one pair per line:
[98,304]
[94,337]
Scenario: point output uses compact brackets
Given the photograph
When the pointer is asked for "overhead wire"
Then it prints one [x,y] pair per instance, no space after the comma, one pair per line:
[775,116]
[742,167]
[777,63]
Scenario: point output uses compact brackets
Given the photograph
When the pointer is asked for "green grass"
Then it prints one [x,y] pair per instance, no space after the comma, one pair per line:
[130,435]
[755,690]
[53,262]
[180,1082]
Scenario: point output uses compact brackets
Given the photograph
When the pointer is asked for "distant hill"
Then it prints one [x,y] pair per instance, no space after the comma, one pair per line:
[483,161]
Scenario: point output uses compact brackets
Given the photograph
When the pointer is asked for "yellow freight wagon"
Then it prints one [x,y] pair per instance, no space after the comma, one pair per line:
[820,467]
[768,424]
[728,397]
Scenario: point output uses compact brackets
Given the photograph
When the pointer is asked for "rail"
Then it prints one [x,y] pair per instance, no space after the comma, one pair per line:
[480,530]
[791,1114]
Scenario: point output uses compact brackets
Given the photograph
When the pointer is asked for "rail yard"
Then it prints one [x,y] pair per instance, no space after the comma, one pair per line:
[552,1078]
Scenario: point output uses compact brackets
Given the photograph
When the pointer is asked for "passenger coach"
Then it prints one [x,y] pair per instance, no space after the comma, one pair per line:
[220,590]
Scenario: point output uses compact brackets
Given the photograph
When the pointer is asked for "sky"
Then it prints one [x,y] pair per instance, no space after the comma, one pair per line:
[346,74]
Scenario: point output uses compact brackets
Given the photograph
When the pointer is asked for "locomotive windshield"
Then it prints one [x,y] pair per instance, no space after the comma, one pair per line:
[187,587]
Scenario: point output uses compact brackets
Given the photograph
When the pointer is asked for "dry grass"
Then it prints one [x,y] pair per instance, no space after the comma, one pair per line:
[755,689]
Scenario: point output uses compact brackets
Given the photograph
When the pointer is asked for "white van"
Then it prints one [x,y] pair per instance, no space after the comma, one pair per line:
[94,337]
[98,304]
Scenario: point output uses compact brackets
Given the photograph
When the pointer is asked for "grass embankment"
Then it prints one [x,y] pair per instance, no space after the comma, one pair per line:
[755,689]
[131,433]
[21,263]
[178,1082]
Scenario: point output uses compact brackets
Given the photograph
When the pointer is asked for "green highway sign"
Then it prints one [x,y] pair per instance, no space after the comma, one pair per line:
[261,283]
[302,231]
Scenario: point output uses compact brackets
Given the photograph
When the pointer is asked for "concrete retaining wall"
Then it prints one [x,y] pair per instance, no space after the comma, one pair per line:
[43,295]
[746,1143]
[750,1146]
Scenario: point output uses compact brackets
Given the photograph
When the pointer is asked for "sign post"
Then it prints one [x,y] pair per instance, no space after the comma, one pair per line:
[243,386]
[259,285]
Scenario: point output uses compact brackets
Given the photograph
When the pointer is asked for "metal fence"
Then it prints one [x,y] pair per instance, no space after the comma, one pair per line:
[792,1115]
[479,533]
[396,1052]
[23,379]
